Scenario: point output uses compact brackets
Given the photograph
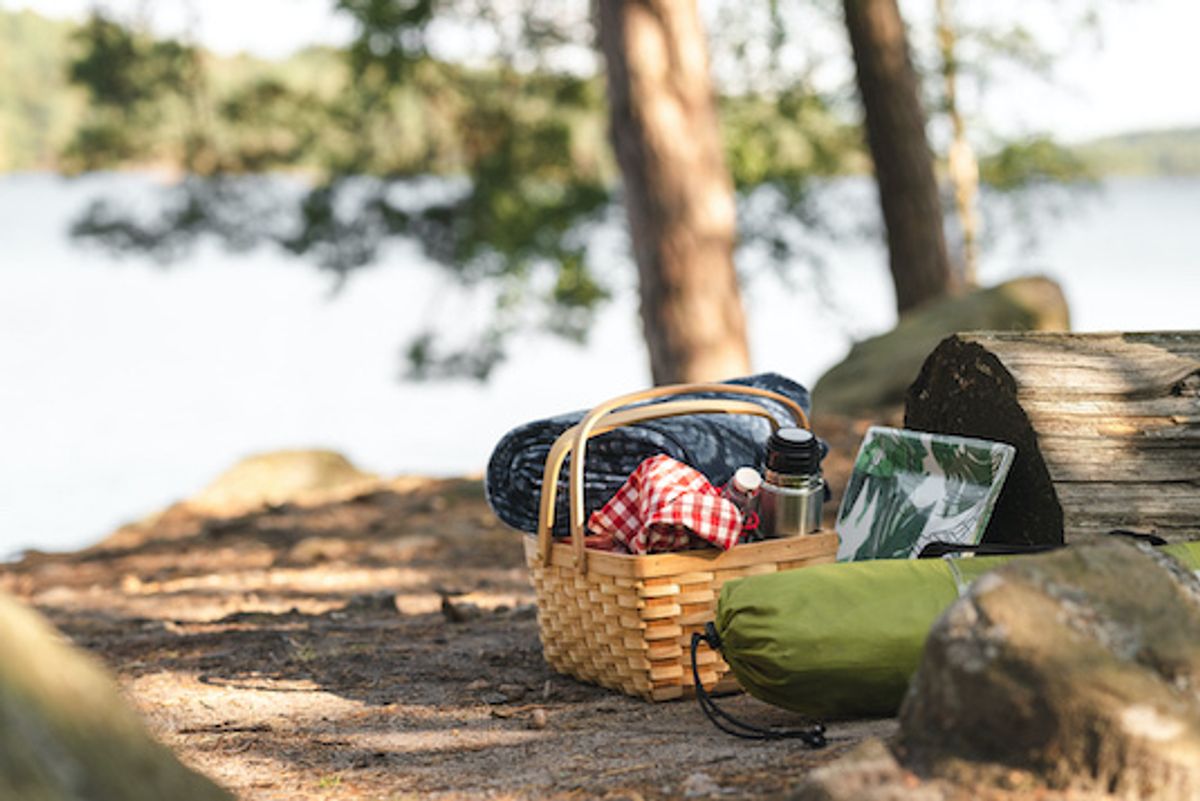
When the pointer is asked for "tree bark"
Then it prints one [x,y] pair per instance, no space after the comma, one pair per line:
[961,164]
[1106,427]
[895,123]
[678,193]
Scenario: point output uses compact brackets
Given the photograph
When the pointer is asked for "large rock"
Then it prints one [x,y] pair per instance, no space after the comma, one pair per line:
[277,477]
[878,371]
[1079,669]
[1072,676]
[65,733]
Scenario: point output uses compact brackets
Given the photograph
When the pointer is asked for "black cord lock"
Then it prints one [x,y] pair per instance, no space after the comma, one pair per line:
[813,734]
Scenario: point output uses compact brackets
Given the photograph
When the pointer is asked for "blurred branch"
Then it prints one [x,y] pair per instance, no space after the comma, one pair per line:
[519,144]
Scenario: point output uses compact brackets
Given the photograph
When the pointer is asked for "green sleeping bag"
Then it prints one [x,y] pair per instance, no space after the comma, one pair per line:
[842,640]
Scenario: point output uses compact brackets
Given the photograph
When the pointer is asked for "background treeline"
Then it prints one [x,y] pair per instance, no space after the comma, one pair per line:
[500,165]
[45,122]
[161,103]
[1172,152]
[39,111]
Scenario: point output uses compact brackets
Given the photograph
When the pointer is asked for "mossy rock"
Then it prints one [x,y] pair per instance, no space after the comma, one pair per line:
[1077,669]
[66,734]
[878,371]
[278,477]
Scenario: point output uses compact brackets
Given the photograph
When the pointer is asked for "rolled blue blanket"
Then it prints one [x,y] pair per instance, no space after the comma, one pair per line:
[715,444]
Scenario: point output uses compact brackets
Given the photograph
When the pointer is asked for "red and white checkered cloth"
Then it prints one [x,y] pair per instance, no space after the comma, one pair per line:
[662,505]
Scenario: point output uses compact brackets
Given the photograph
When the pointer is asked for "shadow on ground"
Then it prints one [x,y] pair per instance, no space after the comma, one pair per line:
[379,645]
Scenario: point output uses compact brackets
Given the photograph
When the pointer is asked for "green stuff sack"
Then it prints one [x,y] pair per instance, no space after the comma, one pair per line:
[843,640]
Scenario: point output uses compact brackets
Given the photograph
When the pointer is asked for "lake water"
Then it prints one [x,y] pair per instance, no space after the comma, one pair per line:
[125,386]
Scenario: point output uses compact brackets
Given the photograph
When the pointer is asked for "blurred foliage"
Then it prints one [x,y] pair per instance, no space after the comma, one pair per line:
[495,160]
[39,110]
[1173,153]
[138,86]
[522,153]
[989,44]
[1039,159]
[1035,183]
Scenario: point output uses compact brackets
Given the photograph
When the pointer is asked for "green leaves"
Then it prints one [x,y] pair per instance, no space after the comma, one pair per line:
[139,88]
[909,488]
[1037,160]
[390,35]
[519,149]
[128,71]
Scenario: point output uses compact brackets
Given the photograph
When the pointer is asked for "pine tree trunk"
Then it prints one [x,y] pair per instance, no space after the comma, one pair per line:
[961,164]
[895,123]
[678,193]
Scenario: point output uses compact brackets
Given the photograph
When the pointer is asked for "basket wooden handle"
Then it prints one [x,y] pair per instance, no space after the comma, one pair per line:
[566,441]
[606,417]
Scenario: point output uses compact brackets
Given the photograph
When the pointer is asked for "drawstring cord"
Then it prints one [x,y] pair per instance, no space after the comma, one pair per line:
[813,735]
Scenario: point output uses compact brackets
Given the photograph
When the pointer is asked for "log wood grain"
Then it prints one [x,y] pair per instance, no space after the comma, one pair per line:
[1106,426]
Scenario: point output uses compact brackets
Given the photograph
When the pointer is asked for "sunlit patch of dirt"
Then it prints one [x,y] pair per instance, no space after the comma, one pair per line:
[382,644]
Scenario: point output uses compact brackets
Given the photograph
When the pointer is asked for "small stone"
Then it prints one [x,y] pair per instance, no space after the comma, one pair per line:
[538,719]
[523,612]
[515,692]
[479,684]
[868,772]
[700,785]
[313,550]
[459,612]
[371,602]
[494,698]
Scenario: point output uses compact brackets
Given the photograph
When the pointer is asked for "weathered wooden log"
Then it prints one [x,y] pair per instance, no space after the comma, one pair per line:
[1106,427]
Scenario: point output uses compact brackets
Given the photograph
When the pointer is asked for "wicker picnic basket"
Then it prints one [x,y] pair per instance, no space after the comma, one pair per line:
[624,621]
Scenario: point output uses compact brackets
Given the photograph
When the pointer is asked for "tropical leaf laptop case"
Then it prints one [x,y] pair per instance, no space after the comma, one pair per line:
[911,488]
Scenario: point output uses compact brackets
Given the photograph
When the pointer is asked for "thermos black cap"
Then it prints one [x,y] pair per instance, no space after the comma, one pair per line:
[793,451]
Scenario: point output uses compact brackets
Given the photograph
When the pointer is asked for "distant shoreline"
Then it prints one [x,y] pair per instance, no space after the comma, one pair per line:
[40,111]
[1167,153]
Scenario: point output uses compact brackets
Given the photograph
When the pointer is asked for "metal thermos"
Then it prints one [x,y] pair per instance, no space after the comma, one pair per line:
[789,502]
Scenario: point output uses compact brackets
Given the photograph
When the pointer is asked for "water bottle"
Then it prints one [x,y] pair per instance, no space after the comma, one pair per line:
[789,503]
[743,488]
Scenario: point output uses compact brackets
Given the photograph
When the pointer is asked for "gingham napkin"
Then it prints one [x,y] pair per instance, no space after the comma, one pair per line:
[662,505]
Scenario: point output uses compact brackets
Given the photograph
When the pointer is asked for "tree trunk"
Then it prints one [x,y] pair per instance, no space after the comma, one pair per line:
[961,164]
[1106,427]
[895,125]
[678,193]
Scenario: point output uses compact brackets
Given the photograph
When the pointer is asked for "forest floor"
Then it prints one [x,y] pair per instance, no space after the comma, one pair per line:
[383,645]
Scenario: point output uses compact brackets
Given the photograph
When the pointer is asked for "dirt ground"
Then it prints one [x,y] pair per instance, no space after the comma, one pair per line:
[384,646]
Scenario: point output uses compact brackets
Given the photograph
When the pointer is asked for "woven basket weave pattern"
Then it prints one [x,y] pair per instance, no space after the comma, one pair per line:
[633,634]
[626,622]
